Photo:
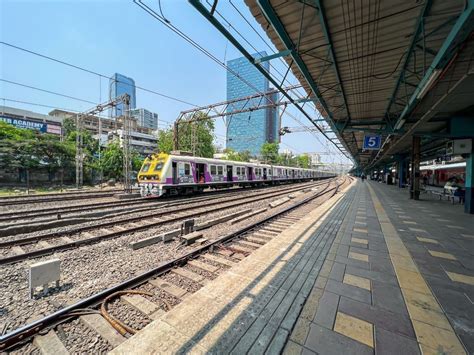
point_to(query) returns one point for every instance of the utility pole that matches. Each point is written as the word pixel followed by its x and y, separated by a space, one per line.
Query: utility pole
pixel 127 163
pixel 125 99
pixel 79 152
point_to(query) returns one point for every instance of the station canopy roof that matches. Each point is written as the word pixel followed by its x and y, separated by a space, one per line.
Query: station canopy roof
pixel 391 68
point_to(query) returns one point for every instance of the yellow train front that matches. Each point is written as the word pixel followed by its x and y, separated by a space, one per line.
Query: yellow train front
pixel 182 174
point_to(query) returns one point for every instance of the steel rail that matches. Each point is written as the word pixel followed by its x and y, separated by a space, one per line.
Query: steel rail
pixel 65 197
pixel 29 330
pixel 165 199
pixel 106 224
pixel 77 243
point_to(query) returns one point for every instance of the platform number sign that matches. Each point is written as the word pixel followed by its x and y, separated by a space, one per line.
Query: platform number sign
pixel 372 142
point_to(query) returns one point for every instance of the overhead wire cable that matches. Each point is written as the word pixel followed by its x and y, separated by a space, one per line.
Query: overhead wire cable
pixel 47 91
pixel 95 73
pixel 196 45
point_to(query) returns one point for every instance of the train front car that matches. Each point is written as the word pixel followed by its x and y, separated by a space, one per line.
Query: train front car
pixel 152 175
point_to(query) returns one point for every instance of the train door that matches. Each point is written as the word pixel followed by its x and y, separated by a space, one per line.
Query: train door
pixel 249 173
pixel 292 173
pixel 174 169
pixel 230 175
pixel 200 173
pixel 264 173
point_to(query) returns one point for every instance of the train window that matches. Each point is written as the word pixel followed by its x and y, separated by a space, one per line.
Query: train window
pixel 213 170
pixel 220 170
pixel 237 170
pixel 159 166
pixel 187 169
pixel 145 168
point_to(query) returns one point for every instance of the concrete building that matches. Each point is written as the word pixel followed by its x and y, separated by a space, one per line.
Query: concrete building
pixel 142 139
pixel 120 84
pixel 30 120
pixel 250 130
pixel 315 159
pixel 142 143
pixel 145 118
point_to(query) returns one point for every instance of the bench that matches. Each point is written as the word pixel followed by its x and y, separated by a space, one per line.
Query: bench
pixel 450 195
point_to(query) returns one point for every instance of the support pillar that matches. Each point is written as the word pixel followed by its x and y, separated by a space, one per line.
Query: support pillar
pixel 401 172
pixel 415 168
pixel 469 185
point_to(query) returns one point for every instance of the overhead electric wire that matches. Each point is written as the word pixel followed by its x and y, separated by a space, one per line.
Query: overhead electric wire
pixel 95 73
pixel 188 39
pixel 153 13
pixel 47 91
pixel 37 104
pixel 260 36
pixel 256 50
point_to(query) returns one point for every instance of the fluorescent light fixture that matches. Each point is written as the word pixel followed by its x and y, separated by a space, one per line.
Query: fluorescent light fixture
pixel 400 124
pixel 430 81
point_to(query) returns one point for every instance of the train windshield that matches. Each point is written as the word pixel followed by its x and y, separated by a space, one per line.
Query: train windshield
pixel 159 166
pixel 145 168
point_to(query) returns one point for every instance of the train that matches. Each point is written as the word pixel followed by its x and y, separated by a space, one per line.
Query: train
pixel 183 174
pixel 440 174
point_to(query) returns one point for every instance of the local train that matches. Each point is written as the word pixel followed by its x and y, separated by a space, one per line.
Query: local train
pixel 440 174
pixel 175 174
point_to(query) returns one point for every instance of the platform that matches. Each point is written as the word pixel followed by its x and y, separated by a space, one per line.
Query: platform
pixel 370 271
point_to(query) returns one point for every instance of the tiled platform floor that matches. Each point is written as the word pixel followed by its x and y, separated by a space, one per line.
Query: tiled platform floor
pixel 401 282
pixel 377 273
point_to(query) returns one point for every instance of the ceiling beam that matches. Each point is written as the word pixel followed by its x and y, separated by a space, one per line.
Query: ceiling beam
pixel 285 39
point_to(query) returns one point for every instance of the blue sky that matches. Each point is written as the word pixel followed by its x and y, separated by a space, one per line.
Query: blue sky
pixel 108 36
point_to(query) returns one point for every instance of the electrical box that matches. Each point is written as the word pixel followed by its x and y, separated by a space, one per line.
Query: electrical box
pixel 459 146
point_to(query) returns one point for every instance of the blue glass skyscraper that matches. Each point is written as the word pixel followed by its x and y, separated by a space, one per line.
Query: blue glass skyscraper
pixel 250 130
pixel 120 84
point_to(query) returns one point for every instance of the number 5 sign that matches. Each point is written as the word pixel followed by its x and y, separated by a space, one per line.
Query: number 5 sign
pixel 372 142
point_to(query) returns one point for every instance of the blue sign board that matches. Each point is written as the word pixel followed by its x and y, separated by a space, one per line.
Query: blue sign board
pixel 22 123
pixel 372 142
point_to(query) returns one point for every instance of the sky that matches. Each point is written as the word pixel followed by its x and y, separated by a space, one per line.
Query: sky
pixel 109 36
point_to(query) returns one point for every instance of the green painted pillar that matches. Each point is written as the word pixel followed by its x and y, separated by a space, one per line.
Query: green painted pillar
pixel 469 201
pixel 401 172
pixel 464 127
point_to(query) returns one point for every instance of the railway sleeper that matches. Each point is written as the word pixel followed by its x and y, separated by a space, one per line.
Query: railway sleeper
pixel 168 287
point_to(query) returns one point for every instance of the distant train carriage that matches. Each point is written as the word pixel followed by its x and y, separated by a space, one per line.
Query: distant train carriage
pixel 438 175
pixel 183 174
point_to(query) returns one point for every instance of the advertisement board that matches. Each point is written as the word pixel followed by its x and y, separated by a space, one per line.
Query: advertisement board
pixel 29 124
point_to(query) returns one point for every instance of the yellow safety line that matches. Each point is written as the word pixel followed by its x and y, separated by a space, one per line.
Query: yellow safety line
pixel 434 333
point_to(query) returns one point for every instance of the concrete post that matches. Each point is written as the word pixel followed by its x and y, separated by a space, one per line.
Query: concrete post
pixel 401 172
pixel 469 185
pixel 415 168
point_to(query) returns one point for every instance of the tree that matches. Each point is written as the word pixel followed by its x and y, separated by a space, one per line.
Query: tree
pixel 237 156
pixel 165 141
pixel 197 128
pixel 24 150
pixel 112 161
pixel 303 161
pixel 269 152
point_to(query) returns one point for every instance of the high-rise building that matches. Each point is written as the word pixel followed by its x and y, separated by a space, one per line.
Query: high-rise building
pixel 250 130
pixel 145 118
pixel 120 84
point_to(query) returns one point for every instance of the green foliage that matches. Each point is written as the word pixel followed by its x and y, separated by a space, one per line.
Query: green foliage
pixel 200 129
pixel 28 149
pixel 303 161
pixel 237 156
pixel 69 126
pixel 112 161
pixel 165 141
pixel 269 152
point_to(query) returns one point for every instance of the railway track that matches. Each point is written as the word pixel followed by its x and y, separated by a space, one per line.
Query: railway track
pixel 117 228
pixel 149 295
pixel 56 197
pixel 64 210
